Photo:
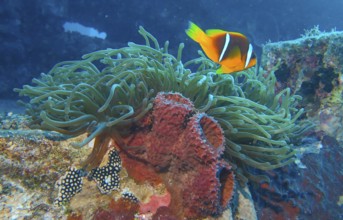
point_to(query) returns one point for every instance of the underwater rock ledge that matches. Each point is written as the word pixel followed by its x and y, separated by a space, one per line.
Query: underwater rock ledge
pixel 310 66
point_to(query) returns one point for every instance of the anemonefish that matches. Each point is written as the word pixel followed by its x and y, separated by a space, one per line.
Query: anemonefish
pixel 231 50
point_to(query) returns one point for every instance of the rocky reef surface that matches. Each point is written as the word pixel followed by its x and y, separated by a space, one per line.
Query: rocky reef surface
pixel 31 162
pixel 312 67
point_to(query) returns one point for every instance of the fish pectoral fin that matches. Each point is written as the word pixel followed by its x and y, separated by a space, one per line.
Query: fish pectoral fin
pixel 215 32
pixel 220 70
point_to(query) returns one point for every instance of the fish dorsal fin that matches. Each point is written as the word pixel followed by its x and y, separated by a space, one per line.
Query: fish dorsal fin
pixel 238 35
pixel 214 32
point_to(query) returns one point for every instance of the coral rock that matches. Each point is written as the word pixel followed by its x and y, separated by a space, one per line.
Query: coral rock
pixel 312 67
pixel 121 209
pixel 164 213
pixel 184 148
pixel 155 202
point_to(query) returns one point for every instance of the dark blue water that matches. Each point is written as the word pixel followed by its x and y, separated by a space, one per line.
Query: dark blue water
pixel 33 38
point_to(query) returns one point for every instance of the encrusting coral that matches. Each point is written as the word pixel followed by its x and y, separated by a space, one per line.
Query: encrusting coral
pixel 184 148
pixel 108 91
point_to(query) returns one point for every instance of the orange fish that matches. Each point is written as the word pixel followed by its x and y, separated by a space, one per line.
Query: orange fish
pixel 231 50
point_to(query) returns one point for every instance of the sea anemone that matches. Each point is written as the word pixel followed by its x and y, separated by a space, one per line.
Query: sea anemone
pixel 106 92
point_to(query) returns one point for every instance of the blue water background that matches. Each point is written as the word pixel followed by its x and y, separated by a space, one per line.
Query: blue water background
pixel 33 38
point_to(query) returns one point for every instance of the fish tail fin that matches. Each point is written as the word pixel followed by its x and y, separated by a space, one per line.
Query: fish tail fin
pixel 195 33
